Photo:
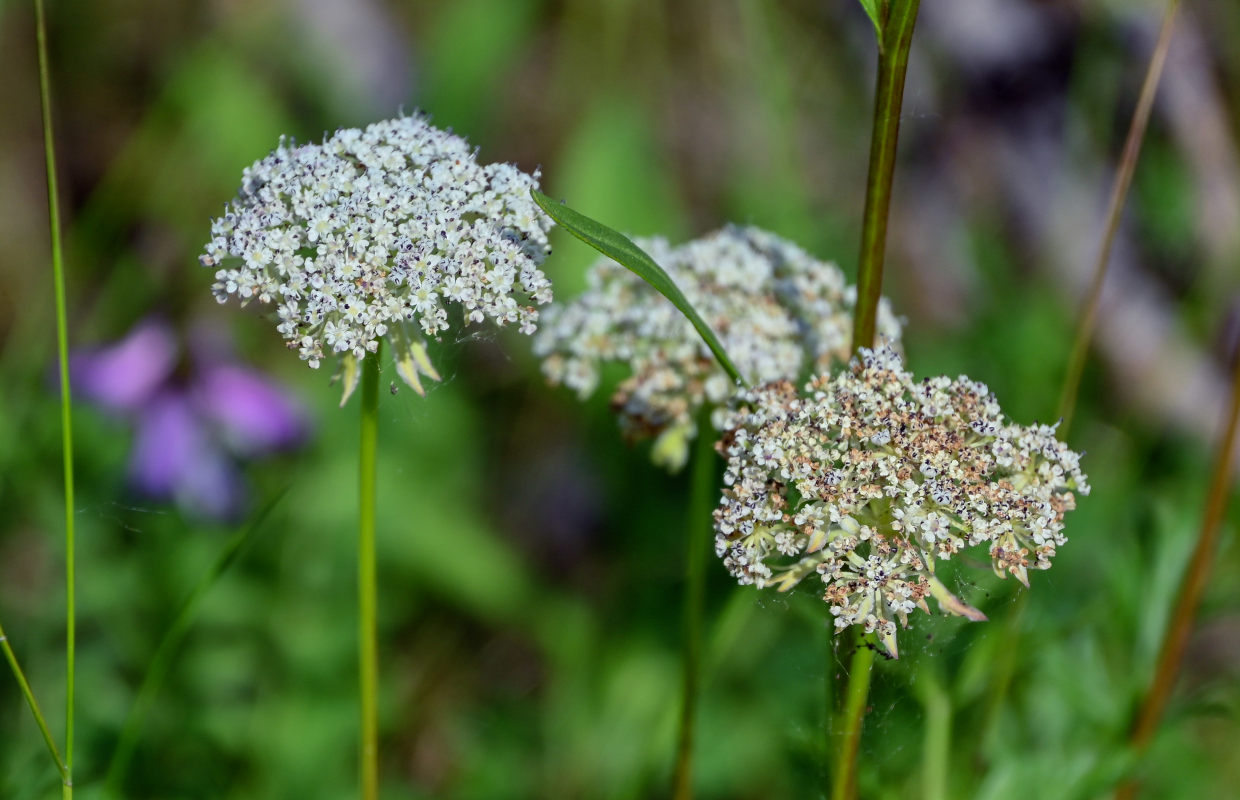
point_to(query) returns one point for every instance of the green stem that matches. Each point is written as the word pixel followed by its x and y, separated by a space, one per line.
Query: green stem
pixel 368 646
pixel 855 696
pixel 936 745
pixel 162 659
pixel 34 708
pixel 66 398
pixel 697 546
pixel 1119 193
pixel 830 707
pixel 896 21
pixel 897 18
pixel 1191 590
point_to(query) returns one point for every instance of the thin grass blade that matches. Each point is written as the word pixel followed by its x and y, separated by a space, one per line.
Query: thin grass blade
pixel 66 399
pixel 1192 589
pixel 1115 210
pixel 28 693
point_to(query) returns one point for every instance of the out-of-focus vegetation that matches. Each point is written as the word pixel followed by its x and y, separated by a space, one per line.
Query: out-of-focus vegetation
pixel 530 561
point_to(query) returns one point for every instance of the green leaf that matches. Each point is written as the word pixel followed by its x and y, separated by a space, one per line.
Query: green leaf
pixel 621 249
pixel 872 8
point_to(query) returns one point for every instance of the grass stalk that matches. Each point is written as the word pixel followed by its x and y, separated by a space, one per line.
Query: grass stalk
pixel 697 547
pixel 844 785
pixel 1115 210
pixel 1192 588
pixel 66 397
pixel 28 693
pixel 367 626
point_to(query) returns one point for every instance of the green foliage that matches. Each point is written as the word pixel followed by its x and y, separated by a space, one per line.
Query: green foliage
pixel 462 91
pixel 621 249
pixel 529 558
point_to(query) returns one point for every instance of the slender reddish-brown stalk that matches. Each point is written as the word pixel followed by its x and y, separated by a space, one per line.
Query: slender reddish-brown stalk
pixel 1191 590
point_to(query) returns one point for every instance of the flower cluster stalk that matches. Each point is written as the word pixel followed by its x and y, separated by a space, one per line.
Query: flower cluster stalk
pixel 1115 209
pixel 1191 590
pixel 368 643
pixel 937 735
pixel 895 30
pixel 66 413
pixel 844 787
pixel 697 547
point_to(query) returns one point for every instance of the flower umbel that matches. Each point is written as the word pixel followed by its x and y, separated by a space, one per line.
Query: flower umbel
pixel 869 478
pixel 372 234
pixel 779 312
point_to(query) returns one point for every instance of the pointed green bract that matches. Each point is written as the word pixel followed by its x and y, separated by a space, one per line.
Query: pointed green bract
pixel 408 372
pixel 620 248
pixel 953 604
pixel 412 360
pixel 423 362
pixel 350 376
pixel 872 9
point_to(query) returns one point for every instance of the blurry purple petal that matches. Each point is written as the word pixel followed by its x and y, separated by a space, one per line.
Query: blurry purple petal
pixel 170 440
pixel 213 488
pixel 124 376
pixel 255 416
pixel 174 458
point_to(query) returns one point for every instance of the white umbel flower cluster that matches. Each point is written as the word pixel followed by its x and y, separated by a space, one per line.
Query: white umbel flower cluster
pixel 869 478
pixel 779 313
pixel 373 233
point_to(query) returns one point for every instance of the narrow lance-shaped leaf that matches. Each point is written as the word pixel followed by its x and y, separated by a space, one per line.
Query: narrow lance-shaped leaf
pixel 872 9
pixel 620 248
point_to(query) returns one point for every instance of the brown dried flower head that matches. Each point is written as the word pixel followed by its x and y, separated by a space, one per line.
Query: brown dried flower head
pixel 868 479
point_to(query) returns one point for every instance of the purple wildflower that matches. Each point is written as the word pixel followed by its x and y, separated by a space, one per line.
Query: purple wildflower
pixel 194 417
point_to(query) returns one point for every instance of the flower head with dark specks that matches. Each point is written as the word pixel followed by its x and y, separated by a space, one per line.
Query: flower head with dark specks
pixel 868 479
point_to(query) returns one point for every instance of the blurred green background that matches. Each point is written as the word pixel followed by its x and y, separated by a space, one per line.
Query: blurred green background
pixel 530 560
